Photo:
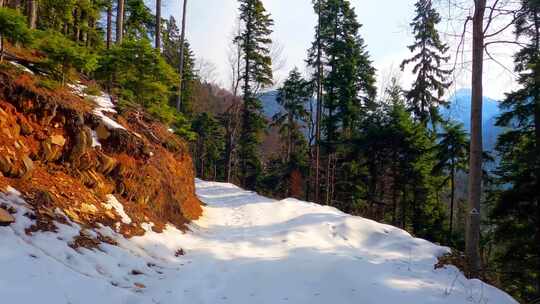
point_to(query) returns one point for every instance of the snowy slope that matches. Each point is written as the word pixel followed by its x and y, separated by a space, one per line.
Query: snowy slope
pixel 246 249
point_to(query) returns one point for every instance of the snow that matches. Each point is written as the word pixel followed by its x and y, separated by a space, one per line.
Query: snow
pixel 22 67
pixel 104 105
pixel 113 203
pixel 95 139
pixel 245 249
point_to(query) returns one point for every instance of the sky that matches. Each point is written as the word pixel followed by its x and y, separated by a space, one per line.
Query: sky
pixel 386 31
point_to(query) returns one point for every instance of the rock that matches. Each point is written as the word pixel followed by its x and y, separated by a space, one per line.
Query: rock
pixel 81 145
pixel 28 166
pixel 6 219
pixel 50 152
pixel 102 132
pixel 88 209
pixel 6 164
pixel 58 140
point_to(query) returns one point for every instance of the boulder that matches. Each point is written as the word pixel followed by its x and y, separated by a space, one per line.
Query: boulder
pixel 6 164
pixel 49 151
pixel 28 166
pixel 58 140
pixel 6 219
pixel 102 132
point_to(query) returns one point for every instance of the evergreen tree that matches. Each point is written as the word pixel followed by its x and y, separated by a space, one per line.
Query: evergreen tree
pixel 12 27
pixel 516 213
pixel 254 41
pixel 452 156
pixel 141 77
pixel 208 147
pixel 348 92
pixel 64 55
pixel 293 97
pixel 139 22
pixel 431 79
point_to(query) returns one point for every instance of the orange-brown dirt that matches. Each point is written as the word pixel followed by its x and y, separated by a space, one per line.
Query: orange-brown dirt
pixel 46 153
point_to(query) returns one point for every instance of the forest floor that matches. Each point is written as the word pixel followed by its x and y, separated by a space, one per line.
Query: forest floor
pixel 245 249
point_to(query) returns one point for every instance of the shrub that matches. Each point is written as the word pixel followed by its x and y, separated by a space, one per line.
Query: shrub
pixel 12 27
pixel 64 56
pixel 142 77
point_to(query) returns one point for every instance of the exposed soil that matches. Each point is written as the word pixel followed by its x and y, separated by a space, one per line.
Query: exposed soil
pixel 46 153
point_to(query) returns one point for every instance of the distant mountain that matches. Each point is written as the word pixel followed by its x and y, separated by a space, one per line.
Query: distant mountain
pixel 270 105
pixel 459 110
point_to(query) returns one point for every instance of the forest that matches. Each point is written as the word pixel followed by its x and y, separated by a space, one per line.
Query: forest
pixel 341 137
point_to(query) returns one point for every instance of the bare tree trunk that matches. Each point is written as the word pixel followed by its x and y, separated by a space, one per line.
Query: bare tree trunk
pixel 319 110
pixel 32 13
pixel 1 48
pixel 109 25
pixel 1 3
pixel 181 71
pixel 472 242
pixel 120 22
pixel 158 25
pixel 452 198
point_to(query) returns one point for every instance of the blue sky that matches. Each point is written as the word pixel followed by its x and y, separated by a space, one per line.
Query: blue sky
pixel 385 30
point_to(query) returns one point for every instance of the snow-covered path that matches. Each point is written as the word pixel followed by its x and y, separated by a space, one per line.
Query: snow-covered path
pixel 246 249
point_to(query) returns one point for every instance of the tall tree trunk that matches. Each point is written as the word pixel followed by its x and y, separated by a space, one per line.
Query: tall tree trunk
pixel 32 13
pixel 472 242
pixel 119 21
pixel 247 97
pixel 452 197
pixel 1 48
pixel 158 25
pixel 181 71
pixel 537 138
pixel 109 25
pixel 319 110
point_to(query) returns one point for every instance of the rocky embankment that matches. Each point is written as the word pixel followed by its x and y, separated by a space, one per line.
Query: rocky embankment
pixel 70 154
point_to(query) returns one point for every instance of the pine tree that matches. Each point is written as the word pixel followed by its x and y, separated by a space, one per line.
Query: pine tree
pixel 348 87
pixel 12 27
pixel 427 91
pixel 139 21
pixel 452 156
pixel 254 41
pixel 293 96
pixel 516 213
pixel 208 147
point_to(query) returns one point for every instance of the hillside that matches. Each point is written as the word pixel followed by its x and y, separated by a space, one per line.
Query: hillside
pixel 246 249
pixel 69 151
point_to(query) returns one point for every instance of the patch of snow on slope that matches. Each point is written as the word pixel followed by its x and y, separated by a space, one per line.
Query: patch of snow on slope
pixel 104 105
pixel 113 203
pixel 22 67
pixel 246 249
